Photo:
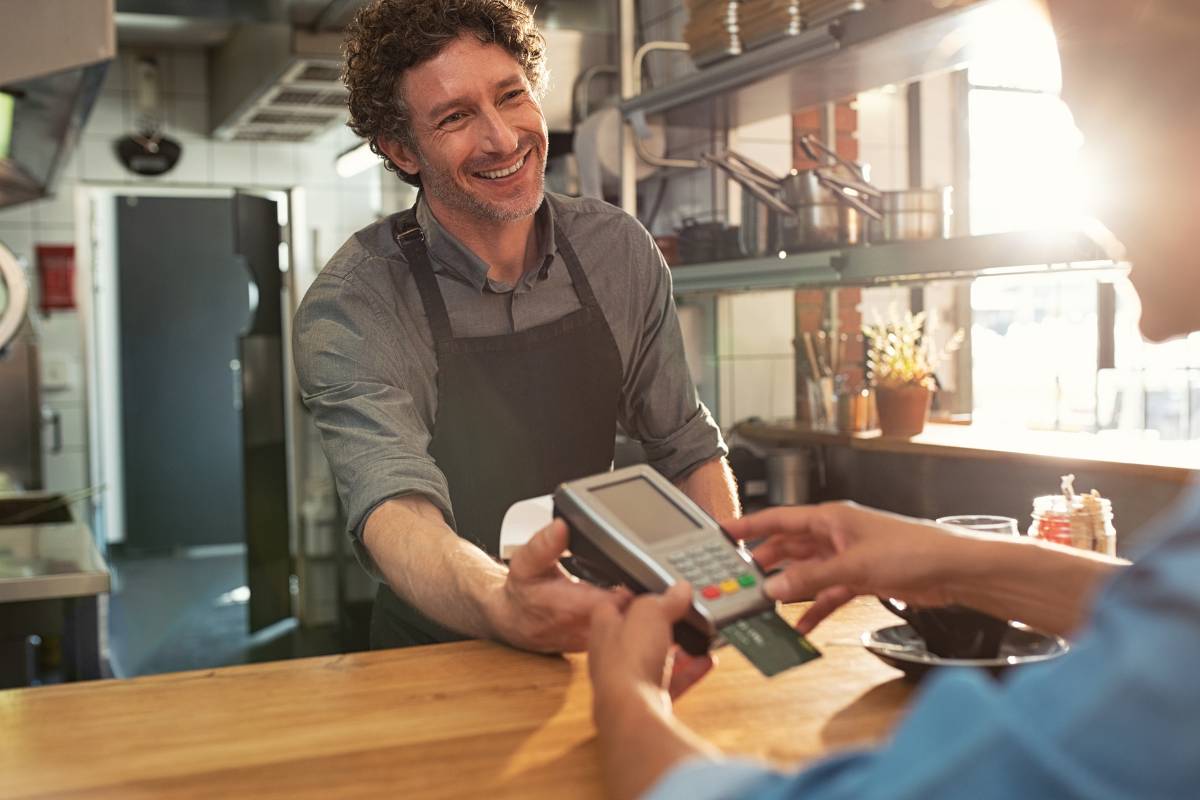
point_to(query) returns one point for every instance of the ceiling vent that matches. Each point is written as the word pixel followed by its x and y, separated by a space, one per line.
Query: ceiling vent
pixel 273 83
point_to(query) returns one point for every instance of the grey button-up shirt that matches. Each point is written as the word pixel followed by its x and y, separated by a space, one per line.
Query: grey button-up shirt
pixel 368 370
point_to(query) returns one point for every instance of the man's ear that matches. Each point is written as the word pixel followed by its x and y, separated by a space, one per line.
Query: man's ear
pixel 404 159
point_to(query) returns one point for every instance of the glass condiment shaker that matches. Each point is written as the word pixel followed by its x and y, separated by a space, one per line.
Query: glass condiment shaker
pixel 1084 521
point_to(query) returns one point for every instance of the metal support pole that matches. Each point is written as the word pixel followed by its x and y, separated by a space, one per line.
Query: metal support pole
pixel 829 125
pixel 961 226
pixel 626 34
pixel 638 120
pixel 916 139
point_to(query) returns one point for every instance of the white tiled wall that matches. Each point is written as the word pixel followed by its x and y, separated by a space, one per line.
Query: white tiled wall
pixel 756 355
pixel 338 207
pixel 883 136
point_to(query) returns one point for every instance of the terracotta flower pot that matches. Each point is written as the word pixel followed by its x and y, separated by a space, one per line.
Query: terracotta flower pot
pixel 902 409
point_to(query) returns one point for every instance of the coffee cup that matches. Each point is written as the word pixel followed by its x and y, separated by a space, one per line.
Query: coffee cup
pixel 953 631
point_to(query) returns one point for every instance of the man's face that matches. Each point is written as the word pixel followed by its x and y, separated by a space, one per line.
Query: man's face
pixel 479 133
pixel 1130 68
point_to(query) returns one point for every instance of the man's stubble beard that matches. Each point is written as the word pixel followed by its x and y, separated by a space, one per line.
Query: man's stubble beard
pixel 439 183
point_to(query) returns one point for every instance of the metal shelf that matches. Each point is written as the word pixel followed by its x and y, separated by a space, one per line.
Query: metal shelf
pixel 891 41
pixel 961 257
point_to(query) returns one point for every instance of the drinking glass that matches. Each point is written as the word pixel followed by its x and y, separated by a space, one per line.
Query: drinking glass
pixel 983 523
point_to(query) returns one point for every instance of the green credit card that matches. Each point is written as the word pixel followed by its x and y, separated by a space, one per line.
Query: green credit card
pixel 769 643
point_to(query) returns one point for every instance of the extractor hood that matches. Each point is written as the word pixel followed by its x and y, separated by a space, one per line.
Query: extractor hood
pixel 53 55
pixel 272 82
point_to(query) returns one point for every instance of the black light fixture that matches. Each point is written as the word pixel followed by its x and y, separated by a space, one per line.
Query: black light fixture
pixel 148 151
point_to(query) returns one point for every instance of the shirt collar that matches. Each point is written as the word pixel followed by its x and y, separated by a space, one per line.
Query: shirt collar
pixel 450 255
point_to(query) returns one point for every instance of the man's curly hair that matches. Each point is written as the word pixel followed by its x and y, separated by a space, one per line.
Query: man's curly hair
pixel 388 37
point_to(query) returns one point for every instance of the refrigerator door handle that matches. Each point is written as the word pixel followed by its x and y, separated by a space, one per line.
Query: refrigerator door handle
pixel 53 418
pixel 235 370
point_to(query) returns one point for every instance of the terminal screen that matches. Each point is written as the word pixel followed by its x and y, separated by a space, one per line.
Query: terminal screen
pixel 643 508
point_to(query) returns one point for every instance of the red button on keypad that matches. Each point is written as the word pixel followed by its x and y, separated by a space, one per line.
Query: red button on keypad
pixel 711 592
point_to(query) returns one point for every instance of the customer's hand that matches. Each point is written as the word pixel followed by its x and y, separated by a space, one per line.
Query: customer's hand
pixel 633 653
pixel 542 607
pixel 832 552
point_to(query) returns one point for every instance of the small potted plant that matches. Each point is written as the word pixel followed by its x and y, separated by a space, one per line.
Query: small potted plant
pixel 900 366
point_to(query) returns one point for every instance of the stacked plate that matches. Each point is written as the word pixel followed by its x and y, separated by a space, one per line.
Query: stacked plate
pixel 764 21
pixel 717 29
pixel 712 31
pixel 818 12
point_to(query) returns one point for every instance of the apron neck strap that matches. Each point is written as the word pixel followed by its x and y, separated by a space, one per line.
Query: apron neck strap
pixel 408 235
pixel 583 289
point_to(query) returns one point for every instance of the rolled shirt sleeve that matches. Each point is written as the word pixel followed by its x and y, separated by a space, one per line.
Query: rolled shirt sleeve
pixel 659 404
pixel 363 397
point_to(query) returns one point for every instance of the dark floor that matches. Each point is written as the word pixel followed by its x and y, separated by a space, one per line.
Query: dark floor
pixel 178 613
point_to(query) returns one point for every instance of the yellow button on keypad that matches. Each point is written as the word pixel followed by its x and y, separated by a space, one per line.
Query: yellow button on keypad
pixel 729 586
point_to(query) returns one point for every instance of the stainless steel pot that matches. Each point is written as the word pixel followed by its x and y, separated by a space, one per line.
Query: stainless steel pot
pixel 838 186
pixel 788 477
pixel 759 232
pixel 913 214
pixel 813 209
pixel 828 210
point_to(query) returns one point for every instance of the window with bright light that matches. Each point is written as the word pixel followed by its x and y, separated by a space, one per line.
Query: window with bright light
pixel 1035 338
pixel 1026 171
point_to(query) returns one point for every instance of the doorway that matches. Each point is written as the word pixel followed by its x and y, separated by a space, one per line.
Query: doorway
pixel 182 301
pixel 184 376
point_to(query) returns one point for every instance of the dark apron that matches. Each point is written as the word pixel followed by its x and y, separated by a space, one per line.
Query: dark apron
pixel 517 414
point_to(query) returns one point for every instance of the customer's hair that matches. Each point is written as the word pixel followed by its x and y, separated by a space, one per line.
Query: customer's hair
pixel 388 37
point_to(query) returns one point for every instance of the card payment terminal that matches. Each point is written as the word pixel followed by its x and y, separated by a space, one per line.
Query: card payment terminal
pixel 634 527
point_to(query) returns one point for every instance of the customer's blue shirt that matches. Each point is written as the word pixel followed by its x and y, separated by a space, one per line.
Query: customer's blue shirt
pixel 1117 717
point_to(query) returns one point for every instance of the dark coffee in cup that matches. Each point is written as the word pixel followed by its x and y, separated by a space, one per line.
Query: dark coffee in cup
pixel 953 631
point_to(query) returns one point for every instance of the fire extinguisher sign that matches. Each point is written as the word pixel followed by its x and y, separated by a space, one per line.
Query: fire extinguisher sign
pixel 56 276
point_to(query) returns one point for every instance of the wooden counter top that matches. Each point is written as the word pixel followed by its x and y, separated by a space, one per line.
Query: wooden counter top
pixel 1173 461
pixel 457 720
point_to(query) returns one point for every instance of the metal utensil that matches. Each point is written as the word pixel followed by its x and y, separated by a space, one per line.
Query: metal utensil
pixel 847 193
pixel 824 359
pixel 754 167
pixel 749 182
pixel 816 210
pixel 814 366
pixel 811 145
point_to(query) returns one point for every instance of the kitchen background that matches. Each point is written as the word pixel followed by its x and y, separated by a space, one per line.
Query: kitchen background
pixel 1046 349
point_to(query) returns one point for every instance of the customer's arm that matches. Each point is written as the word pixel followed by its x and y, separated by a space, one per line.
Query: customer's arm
pixel 712 487
pixel 533 604
pixel 836 551
pixel 634 676
pixel 1111 718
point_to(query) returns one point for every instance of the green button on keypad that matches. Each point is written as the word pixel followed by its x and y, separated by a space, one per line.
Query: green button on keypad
pixel 746 580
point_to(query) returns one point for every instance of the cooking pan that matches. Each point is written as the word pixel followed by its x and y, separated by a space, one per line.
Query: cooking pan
pixel 913 214
pixel 814 208
pixel 904 215
pixel 820 197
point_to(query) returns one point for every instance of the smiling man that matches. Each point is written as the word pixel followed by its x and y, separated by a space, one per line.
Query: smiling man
pixel 485 345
